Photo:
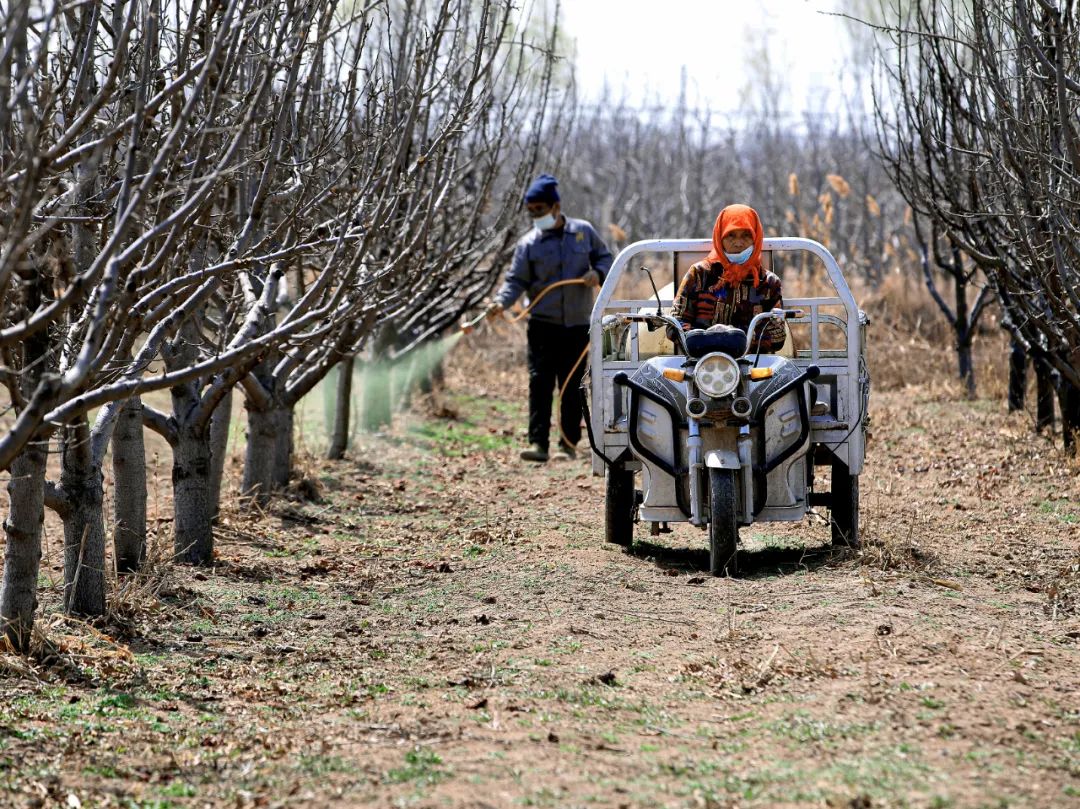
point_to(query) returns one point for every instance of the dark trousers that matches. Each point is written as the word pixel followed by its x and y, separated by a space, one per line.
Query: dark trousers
pixel 553 350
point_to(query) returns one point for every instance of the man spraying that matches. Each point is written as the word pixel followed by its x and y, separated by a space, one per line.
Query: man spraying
pixel 558 248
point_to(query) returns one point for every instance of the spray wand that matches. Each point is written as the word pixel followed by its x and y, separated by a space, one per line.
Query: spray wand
pixel 470 325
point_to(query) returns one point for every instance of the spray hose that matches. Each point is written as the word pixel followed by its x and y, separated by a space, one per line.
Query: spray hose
pixel 472 324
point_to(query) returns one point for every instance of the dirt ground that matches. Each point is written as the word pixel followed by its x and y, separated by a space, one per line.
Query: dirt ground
pixel 432 623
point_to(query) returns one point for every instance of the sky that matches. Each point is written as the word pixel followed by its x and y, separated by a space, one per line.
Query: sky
pixel 643 48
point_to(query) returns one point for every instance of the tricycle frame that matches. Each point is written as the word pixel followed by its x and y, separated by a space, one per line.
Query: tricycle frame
pixel 838 435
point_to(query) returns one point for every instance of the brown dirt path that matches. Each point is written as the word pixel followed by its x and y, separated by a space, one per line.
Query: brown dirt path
pixel 447 628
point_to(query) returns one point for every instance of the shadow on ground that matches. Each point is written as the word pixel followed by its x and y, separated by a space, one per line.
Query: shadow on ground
pixel 751 564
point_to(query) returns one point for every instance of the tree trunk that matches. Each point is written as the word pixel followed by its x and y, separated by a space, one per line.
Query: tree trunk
pixel 22 555
pixel 1017 375
pixel 339 440
pixel 967 366
pixel 283 449
pixel 219 447
pixel 269 451
pixel 84 523
pixel 129 488
pixel 26 486
pixel 1070 417
pixel 193 509
pixel 962 325
pixel 1044 395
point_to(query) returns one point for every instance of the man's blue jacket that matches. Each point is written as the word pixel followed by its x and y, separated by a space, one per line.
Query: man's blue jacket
pixel 543 257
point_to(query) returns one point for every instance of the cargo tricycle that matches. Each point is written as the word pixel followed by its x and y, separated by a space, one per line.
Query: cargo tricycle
pixel 713 432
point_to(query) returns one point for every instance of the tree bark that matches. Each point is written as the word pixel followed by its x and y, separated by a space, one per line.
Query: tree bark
pixel 193 512
pixel 193 509
pixel 219 446
pixel 1017 375
pixel 84 523
pixel 26 487
pixel 962 325
pixel 129 488
pixel 1070 417
pixel 268 460
pixel 22 555
pixel 1044 395
pixel 966 366
pixel 339 440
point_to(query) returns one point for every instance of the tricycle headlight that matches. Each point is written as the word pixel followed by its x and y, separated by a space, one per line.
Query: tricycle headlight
pixel 717 375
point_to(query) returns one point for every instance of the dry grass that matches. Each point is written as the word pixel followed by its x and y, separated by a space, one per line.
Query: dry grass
pixel 134 599
pixel 1063 591
pixel 887 543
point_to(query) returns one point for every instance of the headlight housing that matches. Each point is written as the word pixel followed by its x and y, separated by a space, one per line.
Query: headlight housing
pixel 717 375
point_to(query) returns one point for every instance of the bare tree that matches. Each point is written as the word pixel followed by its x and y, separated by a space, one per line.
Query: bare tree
pixel 937 253
pixel 985 145
pixel 152 214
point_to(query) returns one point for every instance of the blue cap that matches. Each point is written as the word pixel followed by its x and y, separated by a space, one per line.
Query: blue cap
pixel 544 188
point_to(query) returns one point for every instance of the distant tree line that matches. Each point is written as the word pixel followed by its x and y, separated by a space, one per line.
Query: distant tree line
pixel 666 170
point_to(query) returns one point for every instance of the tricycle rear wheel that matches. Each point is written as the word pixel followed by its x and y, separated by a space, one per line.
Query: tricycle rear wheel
pixel 619 506
pixel 723 525
pixel 844 506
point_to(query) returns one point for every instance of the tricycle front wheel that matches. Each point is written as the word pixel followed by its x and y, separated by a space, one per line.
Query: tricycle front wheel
pixel 619 506
pixel 723 525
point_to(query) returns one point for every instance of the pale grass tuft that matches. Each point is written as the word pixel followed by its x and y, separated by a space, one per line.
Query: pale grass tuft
pixel 838 184
pixel 887 544
pixel 827 208
pixel 134 598
pixel 304 483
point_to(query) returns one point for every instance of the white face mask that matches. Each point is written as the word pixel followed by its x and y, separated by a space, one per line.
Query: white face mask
pixel 741 257
pixel 545 222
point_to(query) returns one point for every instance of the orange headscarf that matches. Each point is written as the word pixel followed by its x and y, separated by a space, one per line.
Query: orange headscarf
pixel 737 217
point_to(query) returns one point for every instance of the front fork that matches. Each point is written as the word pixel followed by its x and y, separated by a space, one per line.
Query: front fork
pixel 746 466
pixel 696 466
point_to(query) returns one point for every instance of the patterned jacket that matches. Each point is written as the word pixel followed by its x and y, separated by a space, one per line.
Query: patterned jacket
pixel 704 300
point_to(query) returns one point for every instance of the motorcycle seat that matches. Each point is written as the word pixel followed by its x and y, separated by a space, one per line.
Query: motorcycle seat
pixel 719 338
